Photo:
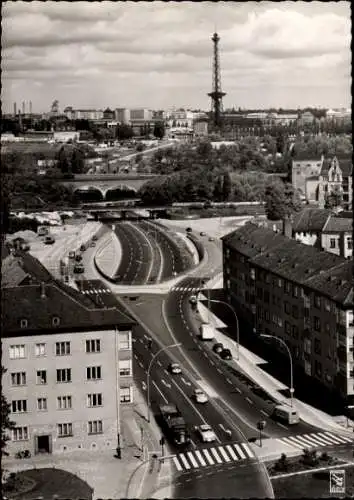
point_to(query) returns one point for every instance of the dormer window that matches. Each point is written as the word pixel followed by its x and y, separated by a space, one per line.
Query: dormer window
pixel 24 323
pixel 55 321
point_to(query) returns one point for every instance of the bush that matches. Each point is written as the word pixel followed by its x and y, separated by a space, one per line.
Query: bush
pixel 310 457
pixel 282 464
pixel 325 457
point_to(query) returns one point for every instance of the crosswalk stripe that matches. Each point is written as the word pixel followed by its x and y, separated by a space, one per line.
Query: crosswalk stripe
pixel 329 439
pixel 224 454
pixel 316 439
pixel 323 439
pixel 300 440
pixel 208 457
pixel 184 461
pixel 347 439
pixel 337 439
pixel 291 443
pixel 177 464
pixel 200 458
pixel 247 450
pixel 232 453
pixel 312 441
pixel 239 451
pixel 192 459
pixel 215 453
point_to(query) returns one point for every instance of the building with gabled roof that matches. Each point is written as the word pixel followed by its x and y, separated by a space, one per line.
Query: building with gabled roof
pixel 298 293
pixel 69 364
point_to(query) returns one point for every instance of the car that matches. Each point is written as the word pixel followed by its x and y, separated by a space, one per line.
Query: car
pixel 79 268
pixel 188 230
pixel 82 248
pixel 193 300
pixel 71 254
pixel 78 257
pixel 174 368
pixel 94 237
pixel 226 354
pixel 92 244
pixel 218 347
pixel 206 433
pixel 200 396
pixel 202 233
pixel 49 240
pixel 211 238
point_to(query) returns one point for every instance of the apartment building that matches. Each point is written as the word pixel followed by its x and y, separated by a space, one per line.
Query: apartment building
pixel 83 114
pixel 69 367
pixel 298 293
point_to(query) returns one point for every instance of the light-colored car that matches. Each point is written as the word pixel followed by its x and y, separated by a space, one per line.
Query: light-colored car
pixel 174 368
pixel 200 396
pixel 206 433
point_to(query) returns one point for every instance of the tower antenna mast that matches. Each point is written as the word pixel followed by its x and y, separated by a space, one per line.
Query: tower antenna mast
pixel 216 94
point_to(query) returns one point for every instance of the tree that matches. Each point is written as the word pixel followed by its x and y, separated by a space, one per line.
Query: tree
pixel 124 131
pixel 275 202
pixel 6 423
pixel 334 198
pixel 226 186
pixel 218 189
pixel 159 130
pixel 63 162
pixel 77 161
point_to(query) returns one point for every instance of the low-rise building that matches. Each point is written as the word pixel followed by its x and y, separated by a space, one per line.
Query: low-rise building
pixel 337 236
pixel 68 364
pixel 298 293
pixel 303 167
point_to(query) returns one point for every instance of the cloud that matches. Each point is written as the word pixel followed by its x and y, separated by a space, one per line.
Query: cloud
pixel 131 53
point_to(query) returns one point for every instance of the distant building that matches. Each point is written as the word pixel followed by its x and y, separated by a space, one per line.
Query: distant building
pixel 140 114
pixel 200 127
pixel 83 114
pixel 307 118
pixel 304 167
pixel 122 115
pixel 337 236
pixel 65 136
pixel 336 175
pixel 108 114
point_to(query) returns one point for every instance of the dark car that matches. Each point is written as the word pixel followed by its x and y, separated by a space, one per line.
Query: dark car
pixel 92 244
pixel 188 230
pixel 82 248
pixel 49 240
pixel 94 238
pixel 79 268
pixel 218 347
pixel 226 354
pixel 202 233
pixel 78 257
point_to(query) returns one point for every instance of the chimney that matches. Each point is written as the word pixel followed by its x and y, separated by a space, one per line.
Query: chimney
pixel 23 107
pixel 30 107
pixel 287 227
pixel 342 244
pixel 43 295
pixel 15 109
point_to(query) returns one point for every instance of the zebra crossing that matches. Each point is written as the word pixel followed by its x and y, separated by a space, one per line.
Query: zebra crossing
pixel 96 291
pixel 212 456
pixel 186 289
pixel 315 440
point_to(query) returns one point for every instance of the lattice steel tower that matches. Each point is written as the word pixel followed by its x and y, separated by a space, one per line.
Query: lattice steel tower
pixel 216 94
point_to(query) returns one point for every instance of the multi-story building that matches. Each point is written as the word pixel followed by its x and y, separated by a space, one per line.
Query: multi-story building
pixel 83 114
pixel 336 175
pixel 122 115
pixel 305 167
pixel 69 366
pixel 200 127
pixel 140 114
pixel 298 293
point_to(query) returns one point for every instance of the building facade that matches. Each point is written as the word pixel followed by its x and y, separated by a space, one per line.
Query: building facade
pixel 297 293
pixel 68 362
pixel 304 167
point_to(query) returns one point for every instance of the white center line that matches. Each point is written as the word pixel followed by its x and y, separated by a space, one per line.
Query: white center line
pixel 249 400
pixel 265 413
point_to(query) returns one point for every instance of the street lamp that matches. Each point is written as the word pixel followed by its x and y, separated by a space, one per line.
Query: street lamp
pixel 291 363
pixel 236 321
pixel 148 373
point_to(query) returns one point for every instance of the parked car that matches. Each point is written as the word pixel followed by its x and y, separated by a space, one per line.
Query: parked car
pixel 211 238
pixel 79 268
pixel 78 257
pixel 202 233
pixel 206 433
pixel 226 354
pixel 71 254
pixel 49 240
pixel 82 248
pixel 200 396
pixel 174 368
pixel 92 244
pixel 94 238
pixel 218 347
pixel 188 230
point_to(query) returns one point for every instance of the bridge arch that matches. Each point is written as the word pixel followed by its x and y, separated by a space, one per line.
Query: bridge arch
pixel 89 193
pixel 103 193
pixel 120 192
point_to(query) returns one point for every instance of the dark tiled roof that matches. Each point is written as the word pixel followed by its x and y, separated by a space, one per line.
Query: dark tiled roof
pixel 310 220
pixel 70 306
pixel 338 225
pixel 303 156
pixel 345 164
pixel 12 274
pixel 290 259
pixel 337 283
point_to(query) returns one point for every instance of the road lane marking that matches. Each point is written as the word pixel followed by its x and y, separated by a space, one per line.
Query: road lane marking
pixel 166 401
pixel 249 400
pixel 218 370
pixel 212 362
pixel 239 451
pixel 185 381
pixel 224 454
pixel 159 363
pixel 192 459
pixel 165 383
pixel 208 457
pixel 215 453
pixel 315 437
pixel 177 464
pixel 200 457
pixel 232 453
pixel 166 371
pixel 281 425
pixel 135 356
pixel 184 461
pixel 140 364
pixel 247 450
pixel 143 386
pixel 229 381
pixel 205 354
pixel 265 413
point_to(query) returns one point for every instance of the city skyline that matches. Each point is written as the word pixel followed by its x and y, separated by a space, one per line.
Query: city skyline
pixel 289 55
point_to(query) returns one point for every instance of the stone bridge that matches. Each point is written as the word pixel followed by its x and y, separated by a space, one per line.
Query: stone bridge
pixel 104 183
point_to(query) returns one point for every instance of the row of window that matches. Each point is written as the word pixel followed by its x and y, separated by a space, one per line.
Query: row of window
pixel 65 402
pixel 64 348
pixel 63 430
pixel 63 375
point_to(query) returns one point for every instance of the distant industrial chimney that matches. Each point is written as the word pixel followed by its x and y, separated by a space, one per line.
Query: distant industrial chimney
pixel 43 295
pixel 23 107
pixel 15 109
pixel 30 107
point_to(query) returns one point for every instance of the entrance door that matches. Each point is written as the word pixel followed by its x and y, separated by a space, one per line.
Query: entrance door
pixel 44 444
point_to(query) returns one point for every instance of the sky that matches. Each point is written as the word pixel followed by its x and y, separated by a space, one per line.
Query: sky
pixel 159 55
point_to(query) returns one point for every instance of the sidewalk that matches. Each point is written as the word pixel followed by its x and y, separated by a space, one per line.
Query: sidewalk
pixel 249 362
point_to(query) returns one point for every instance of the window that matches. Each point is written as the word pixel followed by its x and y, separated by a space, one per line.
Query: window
pixel 327 305
pixel 20 434
pixel 318 368
pixel 252 274
pixel 267 316
pixel 295 332
pixel 295 291
pixel 259 293
pixel 17 351
pixel 64 402
pixel 317 301
pixel 39 350
pixel 274 299
pixel 41 377
pixel 287 327
pixel 280 282
pixel 23 323
pixel 287 287
pixel 125 395
pixel 307 346
pixel 125 367
pixel 18 378
pixel 42 404
pixel 317 346
pixel 62 348
pixel 64 375
pixel 316 324
pixel 266 296
pixel 93 345
pixel 124 340
pixel 95 427
pixel 267 278
pixel 307 367
pixel 93 373
pixel 19 406
pixel 94 400
pixel 295 312
pixel 332 243
pixel 65 430
pixel 287 307
pixel 274 319
pixel 55 321
pixel 280 321
pixel 349 243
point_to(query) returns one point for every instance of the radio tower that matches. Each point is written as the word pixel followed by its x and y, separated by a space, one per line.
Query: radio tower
pixel 216 94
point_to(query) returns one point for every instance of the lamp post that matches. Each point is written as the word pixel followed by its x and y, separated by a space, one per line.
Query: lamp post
pixel 291 362
pixel 236 321
pixel 149 369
